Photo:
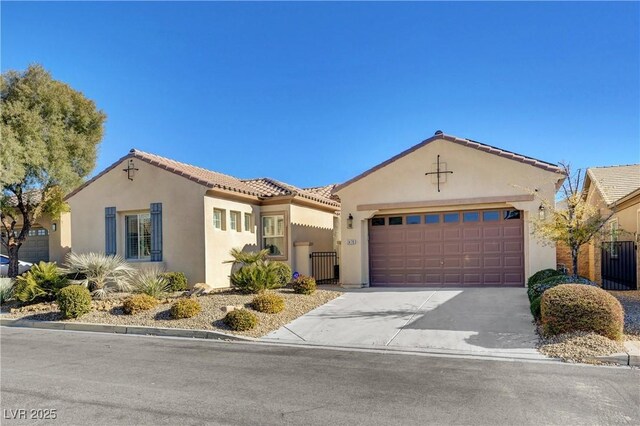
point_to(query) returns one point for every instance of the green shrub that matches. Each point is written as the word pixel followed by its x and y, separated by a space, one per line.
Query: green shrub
pixel 241 320
pixel 542 275
pixel 138 303
pixel 304 284
pixel 42 282
pixel 269 303
pixel 570 307
pixel 283 273
pixel 150 282
pixel 74 301
pixel 6 289
pixel 256 277
pixel 185 308
pixel 177 281
pixel 535 307
pixel 536 290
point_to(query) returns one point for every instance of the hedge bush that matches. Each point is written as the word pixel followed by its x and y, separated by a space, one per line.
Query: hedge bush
pixel 185 308
pixel 269 303
pixel 304 284
pixel 537 289
pixel 138 303
pixel 283 273
pixel 570 307
pixel 74 301
pixel 241 320
pixel 535 307
pixel 542 275
pixel 177 281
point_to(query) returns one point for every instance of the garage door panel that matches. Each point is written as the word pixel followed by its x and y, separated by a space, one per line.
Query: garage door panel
pixel 452 248
pixel 452 233
pixel 472 248
pixel 433 234
pixel 472 233
pixel 449 254
pixel 492 262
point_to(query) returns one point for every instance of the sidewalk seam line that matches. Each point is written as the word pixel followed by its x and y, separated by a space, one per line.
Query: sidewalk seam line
pixel 411 317
pixel 294 333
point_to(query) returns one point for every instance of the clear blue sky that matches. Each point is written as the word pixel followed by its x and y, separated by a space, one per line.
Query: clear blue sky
pixel 316 93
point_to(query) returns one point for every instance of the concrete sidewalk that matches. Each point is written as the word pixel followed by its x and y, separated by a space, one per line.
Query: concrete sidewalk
pixel 483 321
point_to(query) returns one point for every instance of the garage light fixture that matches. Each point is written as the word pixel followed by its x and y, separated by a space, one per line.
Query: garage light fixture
pixel 350 221
pixel 542 212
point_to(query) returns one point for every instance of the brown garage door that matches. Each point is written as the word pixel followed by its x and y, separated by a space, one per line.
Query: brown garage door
pixel 460 248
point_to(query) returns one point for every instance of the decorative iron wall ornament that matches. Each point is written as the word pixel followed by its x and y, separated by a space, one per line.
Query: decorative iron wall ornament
pixel 130 169
pixel 438 172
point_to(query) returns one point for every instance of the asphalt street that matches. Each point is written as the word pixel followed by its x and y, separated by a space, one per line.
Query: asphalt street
pixel 92 378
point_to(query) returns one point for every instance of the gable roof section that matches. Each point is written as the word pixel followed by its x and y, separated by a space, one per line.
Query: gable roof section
pixel 614 182
pixel 260 188
pixel 464 142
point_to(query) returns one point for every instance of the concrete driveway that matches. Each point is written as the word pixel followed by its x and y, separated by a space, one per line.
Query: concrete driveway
pixel 483 321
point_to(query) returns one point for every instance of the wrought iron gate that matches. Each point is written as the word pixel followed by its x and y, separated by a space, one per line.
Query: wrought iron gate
pixel 619 265
pixel 324 267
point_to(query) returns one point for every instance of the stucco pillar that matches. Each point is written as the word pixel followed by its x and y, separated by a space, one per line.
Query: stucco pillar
pixel 302 263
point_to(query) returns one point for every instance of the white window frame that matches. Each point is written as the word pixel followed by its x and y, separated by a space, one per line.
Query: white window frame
pixel 221 224
pixel 263 236
pixel 145 214
pixel 248 222
pixel 234 221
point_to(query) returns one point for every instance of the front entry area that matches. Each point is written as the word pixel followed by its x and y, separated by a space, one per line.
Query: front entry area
pixel 447 249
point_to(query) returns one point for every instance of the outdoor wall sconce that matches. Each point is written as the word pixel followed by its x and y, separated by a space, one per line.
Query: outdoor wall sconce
pixel 350 221
pixel 130 169
pixel 542 212
pixel 54 227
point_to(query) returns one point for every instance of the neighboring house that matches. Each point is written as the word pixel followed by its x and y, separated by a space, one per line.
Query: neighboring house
pixel 49 240
pixel 157 211
pixel 612 189
pixel 446 212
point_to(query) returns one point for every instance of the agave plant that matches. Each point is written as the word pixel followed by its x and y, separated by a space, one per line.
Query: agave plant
pixel 6 289
pixel 100 273
pixel 151 282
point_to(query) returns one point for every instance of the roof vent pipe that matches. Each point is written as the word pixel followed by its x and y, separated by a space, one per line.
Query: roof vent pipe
pixel 438 132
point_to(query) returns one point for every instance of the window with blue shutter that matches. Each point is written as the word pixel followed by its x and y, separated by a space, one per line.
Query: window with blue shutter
pixel 156 232
pixel 110 231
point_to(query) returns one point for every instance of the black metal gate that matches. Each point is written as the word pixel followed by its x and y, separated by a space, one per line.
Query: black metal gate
pixel 324 267
pixel 619 265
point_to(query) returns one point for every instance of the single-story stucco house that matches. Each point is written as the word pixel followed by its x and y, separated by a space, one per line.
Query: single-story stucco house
pixel 156 211
pixel 446 212
pixel 615 191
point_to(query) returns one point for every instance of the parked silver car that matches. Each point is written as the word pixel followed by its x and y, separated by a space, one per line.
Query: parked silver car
pixel 4 266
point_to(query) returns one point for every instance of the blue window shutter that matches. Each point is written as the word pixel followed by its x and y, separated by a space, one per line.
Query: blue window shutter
pixel 110 231
pixel 156 232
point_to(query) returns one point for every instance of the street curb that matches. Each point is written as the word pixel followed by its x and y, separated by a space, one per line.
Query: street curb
pixel 123 329
pixel 621 358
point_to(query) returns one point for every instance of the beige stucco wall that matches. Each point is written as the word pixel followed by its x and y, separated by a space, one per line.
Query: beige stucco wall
pixel 60 239
pixel 475 174
pixel 219 242
pixel 313 226
pixel 182 215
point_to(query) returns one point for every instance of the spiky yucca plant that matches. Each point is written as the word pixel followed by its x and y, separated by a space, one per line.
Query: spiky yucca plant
pixel 100 273
pixel 6 289
pixel 151 282
pixel 247 257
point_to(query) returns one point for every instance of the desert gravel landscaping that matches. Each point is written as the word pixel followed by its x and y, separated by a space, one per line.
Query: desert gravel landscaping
pixel 110 311
pixel 579 347
pixel 630 301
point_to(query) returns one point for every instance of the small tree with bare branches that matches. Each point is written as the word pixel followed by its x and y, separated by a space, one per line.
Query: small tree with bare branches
pixel 574 224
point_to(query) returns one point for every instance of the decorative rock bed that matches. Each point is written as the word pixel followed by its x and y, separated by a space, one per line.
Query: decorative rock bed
pixel 110 311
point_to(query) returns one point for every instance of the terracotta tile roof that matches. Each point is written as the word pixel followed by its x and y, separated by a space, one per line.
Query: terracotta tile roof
pixel 268 187
pixel 260 188
pixel 615 182
pixel 464 142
